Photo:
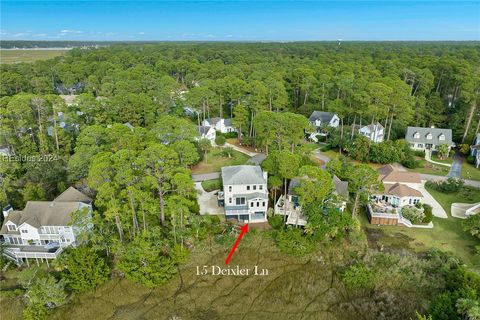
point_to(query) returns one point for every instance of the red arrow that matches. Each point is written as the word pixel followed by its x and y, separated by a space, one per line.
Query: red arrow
pixel 243 230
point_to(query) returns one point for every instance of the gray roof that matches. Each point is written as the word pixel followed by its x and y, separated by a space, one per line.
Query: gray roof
pixel 228 122
pixel 423 132
pixel 48 213
pixel 257 159
pixel 243 174
pixel 341 187
pixel 323 116
pixel 213 121
pixel 295 182
pixel 203 129
pixel 73 195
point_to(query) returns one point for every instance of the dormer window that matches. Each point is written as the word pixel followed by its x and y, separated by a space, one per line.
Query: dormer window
pixel 429 136
pixel 441 137
pixel 416 135
pixel 11 227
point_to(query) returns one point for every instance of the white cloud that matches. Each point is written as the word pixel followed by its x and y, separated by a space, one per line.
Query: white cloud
pixel 141 33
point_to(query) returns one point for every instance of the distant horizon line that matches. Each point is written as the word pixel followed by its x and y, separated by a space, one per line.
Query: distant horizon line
pixel 233 41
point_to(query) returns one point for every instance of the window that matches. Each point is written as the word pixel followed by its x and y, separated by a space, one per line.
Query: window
pixel 248 188
pixel 260 187
pixel 254 187
pixel 258 204
pixel 263 204
pixel 229 188
pixel 441 137
pixel 429 136
pixel 420 145
pixel 229 200
pixel 24 231
pixel 240 201
pixel 416 135
pixel 251 204
pixel 11 227
pixel 415 201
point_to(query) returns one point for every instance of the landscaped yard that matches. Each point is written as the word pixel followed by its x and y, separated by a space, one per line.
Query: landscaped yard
pixel 447 234
pixel 430 168
pixel 469 171
pixel 448 160
pixel 216 160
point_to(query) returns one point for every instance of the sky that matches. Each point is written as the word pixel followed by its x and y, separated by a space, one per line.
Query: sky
pixel 239 20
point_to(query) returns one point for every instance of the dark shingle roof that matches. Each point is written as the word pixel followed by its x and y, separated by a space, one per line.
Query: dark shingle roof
pixel 323 116
pixel 435 132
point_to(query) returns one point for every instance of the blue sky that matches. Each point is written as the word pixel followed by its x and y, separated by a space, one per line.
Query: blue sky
pixel 240 20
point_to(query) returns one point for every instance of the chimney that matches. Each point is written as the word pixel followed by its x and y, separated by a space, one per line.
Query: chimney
pixel 7 210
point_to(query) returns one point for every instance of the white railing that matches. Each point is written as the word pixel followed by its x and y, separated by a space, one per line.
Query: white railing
pixel 18 254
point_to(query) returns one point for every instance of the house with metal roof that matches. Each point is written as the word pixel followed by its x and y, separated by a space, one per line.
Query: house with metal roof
pixel 421 138
pixel 245 193
pixel 43 229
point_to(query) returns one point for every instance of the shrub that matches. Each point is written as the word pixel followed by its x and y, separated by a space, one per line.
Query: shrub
pixel 220 140
pixel 410 163
pixel 210 185
pixel 413 214
pixel 471 159
pixel 276 222
pixel 427 211
pixel 230 135
pixel 450 185
pixel 464 149
pixel 419 153
pixel 326 148
pixel 294 241
pixel 82 268
pixel 358 277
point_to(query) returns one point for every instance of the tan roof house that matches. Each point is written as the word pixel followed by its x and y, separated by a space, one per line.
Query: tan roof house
pixel 43 228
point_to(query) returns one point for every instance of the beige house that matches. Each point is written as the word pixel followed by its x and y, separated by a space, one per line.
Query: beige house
pixel 43 228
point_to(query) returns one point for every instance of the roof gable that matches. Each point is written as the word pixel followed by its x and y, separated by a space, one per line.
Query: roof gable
pixel 429 135
pixel 323 116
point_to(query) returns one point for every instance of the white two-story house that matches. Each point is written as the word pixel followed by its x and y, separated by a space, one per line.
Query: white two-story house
pixel 374 132
pixel 207 132
pixel 322 119
pixel 220 124
pixel 245 193
pixel 43 228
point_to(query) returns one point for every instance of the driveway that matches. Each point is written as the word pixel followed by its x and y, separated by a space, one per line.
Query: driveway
pixel 456 167
pixel 207 201
pixel 322 157
pixel 437 209
pixel 242 150
pixel 205 176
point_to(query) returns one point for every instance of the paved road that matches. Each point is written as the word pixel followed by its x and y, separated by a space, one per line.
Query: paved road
pixel 456 167
pixel 205 176
pixel 431 177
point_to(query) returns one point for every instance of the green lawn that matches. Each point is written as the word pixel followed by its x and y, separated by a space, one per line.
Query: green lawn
pixel 17 56
pixel 469 171
pixel 430 168
pixel 215 161
pixel 447 234
pixel 210 185
pixel 448 160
